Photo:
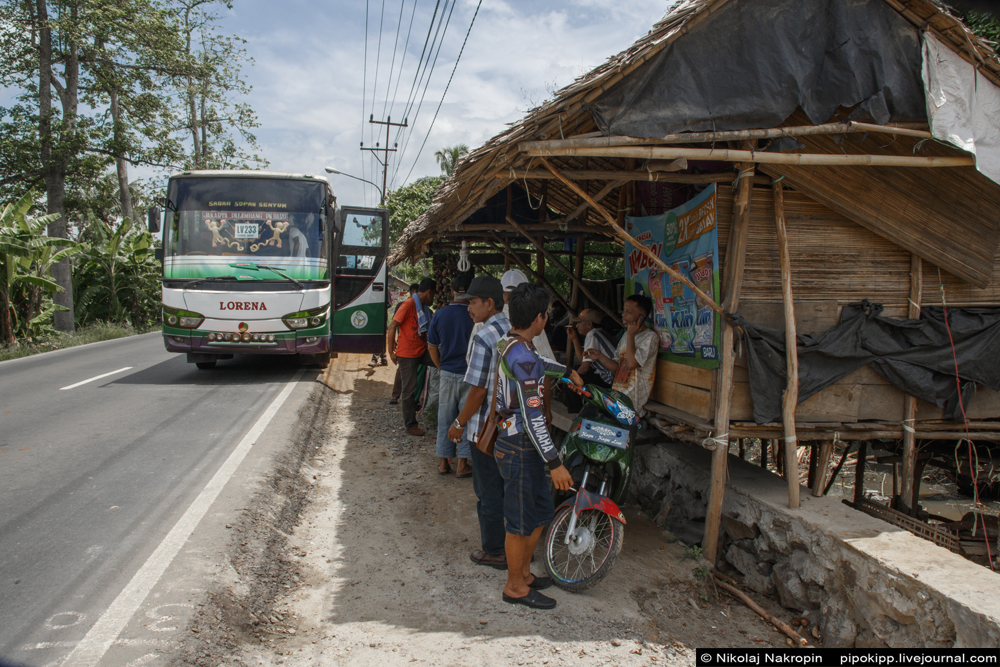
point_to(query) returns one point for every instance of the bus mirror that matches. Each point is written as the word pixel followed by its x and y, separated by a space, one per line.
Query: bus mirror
pixel 153 221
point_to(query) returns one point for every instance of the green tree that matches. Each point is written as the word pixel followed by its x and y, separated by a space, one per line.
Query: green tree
pixel 985 25
pixel 408 203
pixel 26 257
pixel 448 157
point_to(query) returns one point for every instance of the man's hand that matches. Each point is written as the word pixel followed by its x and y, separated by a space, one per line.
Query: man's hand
pixel 561 479
pixel 455 433
pixel 571 333
pixel 575 377
pixel 635 327
pixel 392 355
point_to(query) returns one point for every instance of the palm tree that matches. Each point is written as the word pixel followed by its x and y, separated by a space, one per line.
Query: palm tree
pixel 449 156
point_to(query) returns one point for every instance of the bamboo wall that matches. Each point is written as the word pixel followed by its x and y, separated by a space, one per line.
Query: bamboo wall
pixel 834 262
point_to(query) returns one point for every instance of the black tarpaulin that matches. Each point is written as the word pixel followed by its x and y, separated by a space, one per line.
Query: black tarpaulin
pixel 914 355
pixel 755 62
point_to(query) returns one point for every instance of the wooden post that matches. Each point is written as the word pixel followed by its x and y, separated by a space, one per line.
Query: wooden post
pixel 578 270
pixel 859 472
pixel 791 396
pixel 764 446
pixel 908 500
pixel 733 281
pixel 822 466
pixel 545 253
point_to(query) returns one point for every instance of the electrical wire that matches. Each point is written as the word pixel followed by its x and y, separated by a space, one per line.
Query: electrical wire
pixel 423 94
pixel 402 61
pixel 447 85
pixel 364 89
pixel 392 64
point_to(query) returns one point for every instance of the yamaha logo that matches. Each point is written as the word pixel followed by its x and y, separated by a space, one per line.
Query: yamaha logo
pixel 359 319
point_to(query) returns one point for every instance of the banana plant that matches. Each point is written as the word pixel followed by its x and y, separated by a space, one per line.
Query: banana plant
pixel 26 255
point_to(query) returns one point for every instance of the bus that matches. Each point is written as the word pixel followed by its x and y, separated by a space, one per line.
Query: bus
pixel 258 262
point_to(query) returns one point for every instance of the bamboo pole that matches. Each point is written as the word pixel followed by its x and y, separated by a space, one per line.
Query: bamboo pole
pixel 728 155
pixel 781 625
pixel 728 135
pixel 578 270
pixel 790 398
pixel 507 252
pixel 908 494
pixel 735 257
pixel 822 466
pixel 573 279
pixel 627 238
pixel 602 175
pixel 859 472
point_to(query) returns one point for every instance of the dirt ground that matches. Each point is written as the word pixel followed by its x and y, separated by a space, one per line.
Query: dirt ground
pixel 357 553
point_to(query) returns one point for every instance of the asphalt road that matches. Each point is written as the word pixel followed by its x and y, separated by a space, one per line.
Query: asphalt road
pixel 93 476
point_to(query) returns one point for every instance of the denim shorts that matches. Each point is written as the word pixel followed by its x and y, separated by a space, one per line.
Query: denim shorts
pixel 527 501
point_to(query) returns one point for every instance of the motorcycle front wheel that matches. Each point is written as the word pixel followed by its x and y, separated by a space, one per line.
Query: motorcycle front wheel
pixel 588 558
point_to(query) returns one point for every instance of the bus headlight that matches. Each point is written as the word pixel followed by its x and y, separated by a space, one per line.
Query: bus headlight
pixel 184 319
pixel 306 318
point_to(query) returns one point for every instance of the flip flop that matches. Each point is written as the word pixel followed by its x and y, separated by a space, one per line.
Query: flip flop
pixel 540 583
pixel 533 599
pixel 444 472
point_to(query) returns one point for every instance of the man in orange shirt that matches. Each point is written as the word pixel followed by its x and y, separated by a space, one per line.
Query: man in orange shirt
pixel 409 349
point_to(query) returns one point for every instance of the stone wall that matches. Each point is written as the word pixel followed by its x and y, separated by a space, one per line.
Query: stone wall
pixel 866 582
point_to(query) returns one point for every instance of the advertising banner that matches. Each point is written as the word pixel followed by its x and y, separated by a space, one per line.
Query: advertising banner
pixel 686 238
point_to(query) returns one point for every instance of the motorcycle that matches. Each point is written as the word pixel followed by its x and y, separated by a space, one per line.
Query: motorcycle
pixel 586 534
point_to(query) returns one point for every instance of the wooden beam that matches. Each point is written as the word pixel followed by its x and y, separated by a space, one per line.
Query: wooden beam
pixel 621 176
pixel 627 238
pixel 728 155
pixel 908 500
pixel 822 467
pixel 790 399
pixel 573 279
pixel 729 135
pixel 578 270
pixel 510 254
pixel 724 387
pixel 859 472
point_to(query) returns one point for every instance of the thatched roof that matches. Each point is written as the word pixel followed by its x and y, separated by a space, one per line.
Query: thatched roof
pixel 499 163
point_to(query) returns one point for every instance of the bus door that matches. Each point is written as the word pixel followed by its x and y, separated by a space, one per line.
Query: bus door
pixel 360 291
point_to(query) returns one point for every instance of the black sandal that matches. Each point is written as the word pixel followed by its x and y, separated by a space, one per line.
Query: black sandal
pixel 533 599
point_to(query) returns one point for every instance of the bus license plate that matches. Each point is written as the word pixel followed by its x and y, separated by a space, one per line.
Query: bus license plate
pixel 247 230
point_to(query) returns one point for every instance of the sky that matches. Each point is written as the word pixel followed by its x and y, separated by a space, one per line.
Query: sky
pixel 314 83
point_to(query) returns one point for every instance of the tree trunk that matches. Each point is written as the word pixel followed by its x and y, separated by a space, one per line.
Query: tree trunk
pixel 6 327
pixel 122 166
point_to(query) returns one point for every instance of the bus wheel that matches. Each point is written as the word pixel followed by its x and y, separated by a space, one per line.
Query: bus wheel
pixel 205 365
pixel 322 360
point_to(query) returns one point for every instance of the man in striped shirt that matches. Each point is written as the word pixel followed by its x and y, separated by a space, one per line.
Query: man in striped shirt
pixel 485 305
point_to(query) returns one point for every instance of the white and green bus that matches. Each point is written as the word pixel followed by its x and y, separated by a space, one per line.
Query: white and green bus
pixel 258 262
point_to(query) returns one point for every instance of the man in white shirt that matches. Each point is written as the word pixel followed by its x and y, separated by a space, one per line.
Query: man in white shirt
pixel 588 325
pixel 634 364
pixel 510 280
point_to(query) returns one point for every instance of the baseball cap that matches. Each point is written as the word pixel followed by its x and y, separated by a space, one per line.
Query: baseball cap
pixel 588 314
pixel 461 284
pixel 486 287
pixel 512 279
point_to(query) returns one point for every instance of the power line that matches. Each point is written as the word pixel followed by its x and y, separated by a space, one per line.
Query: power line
pixel 426 84
pixel 402 61
pixel 378 59
pixel 392 64
pixel 364 88
pixel 420 65
pixel 448 85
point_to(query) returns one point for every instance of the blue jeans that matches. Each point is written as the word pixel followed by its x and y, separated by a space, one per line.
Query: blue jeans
pixel 488 485
pixel 527 501
pixel 452 391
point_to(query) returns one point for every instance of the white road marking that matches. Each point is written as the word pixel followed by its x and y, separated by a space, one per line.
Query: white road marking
pixel 96 643
pixel 73 386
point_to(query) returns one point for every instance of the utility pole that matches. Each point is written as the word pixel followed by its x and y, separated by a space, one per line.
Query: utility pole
pixel 384 159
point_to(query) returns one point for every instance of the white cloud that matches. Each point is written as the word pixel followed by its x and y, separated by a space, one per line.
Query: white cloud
pixel 309 83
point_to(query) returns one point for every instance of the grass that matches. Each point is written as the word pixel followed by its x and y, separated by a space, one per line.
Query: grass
pixel 92 333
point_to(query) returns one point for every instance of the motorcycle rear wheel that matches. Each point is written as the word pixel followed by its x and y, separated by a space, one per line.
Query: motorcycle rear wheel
pixel 586 561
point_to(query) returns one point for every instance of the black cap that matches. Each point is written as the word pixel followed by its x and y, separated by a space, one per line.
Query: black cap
pixel 461 283
pixel 487 287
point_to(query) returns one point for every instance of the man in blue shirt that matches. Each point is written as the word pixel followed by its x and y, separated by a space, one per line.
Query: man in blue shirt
pixel 524 445
pixel 447 341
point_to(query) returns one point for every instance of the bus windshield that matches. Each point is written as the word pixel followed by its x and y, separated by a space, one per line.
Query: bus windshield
pixel 213 222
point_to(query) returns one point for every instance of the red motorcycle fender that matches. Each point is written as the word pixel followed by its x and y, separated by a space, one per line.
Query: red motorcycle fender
pixel 584 500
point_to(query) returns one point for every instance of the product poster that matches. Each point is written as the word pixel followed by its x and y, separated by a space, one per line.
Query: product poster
pixel 687 239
